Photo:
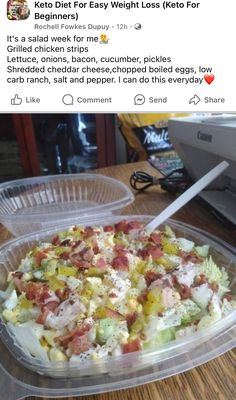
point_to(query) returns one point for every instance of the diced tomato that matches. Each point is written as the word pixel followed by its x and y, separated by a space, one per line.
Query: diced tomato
pixel 101 263
pixel 131 347
pixel 121 263
pixel 39 256
pixel 79 344
pixel 156 238
pixel 56 240
pixel 108 228
pixel 184 291
pixel 37 292
pixel 151 276
pixel 131 318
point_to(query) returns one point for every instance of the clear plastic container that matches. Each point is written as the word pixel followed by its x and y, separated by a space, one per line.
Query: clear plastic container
pixel 22 375
pixel 28 205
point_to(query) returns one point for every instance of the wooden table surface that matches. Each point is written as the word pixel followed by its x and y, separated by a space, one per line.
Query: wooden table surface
pixel 215 380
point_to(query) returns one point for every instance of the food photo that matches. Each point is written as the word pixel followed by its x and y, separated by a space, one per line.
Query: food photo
pixel 117 256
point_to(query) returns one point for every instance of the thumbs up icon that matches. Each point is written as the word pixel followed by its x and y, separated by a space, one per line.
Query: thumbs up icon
pixel 16 101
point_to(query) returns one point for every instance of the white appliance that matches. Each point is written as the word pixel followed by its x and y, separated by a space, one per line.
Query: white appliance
pixel 202 142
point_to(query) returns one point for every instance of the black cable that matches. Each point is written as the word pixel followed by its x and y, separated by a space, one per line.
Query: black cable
pixel 176 181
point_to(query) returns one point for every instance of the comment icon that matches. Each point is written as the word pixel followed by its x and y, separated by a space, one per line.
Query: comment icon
pixel 68 100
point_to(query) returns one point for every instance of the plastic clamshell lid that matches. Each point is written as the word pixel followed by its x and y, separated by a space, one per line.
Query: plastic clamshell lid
pixel 124 371
pixel 31 204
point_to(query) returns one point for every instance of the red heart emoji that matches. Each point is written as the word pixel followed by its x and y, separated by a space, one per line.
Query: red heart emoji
pixel 209 78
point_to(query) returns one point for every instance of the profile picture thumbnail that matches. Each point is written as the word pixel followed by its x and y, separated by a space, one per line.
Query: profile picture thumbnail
pixel 17 10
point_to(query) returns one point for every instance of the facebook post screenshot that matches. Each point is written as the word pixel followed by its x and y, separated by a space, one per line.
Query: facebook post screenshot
pixel 117 200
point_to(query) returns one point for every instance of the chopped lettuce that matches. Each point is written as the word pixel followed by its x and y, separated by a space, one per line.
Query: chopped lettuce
pixel 202 250
pixel 213 273
pixel 26 337
pixel 185 244
pixel 188 311
pixel 160 338
pixel 106 328
pixel 201 295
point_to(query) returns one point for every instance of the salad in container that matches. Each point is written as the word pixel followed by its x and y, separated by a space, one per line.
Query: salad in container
pixel 109 298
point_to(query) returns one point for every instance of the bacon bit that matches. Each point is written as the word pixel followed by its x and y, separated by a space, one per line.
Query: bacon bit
pixel 190 257
pixel 42 317
pixel 108 228
pixel 51 306
pixel 131 318
pixel 96 249
pixel 101 263
pixel 151 276
pixel 39 256
pixel 132 225
pixel 156 252
pixel 75 259
pixel 18 274
pixel 184 291
pixel 120 226
pixel 64 256
pixel 120 250
pixel 112 295
pixel 113 313
pixel 38 292
pixel 121 263
pixel 62 294
pixel 78 331
pixel 142 297
pixel 55 240
pixel 126 227
pixel 131 347
pixel 156 238
pixel 65 242
pixel 228 296
pixel 76 244
pixel 213 286
pixel 200 280
pixel 153 251
pixel 88 232
pixel 175 281
pixel 79 344
pixel 20 285
pixel 86 254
